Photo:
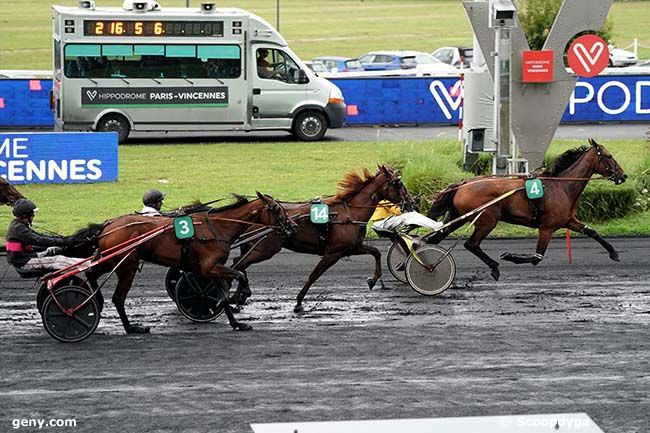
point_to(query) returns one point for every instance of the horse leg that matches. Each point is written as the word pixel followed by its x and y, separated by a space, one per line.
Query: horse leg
pixel 367 249
pixel 91 278
pixel 543 239
pixel 483 227
pixel 224 272
pixel 263 251
pixel 325 263
pixel 125 274
pixel 579 227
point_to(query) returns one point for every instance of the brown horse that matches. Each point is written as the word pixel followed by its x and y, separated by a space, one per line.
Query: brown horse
pixel 8 193
pixel 350 209
pixel 563 183
pixel 205 253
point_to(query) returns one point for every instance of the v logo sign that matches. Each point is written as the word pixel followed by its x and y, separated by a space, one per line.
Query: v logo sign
pixel 443 96
pixel 588 58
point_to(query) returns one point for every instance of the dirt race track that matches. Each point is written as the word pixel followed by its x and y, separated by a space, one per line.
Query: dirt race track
pixel 551 338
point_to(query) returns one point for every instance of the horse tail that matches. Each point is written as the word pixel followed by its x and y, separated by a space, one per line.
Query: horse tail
pixel 444 203
pixel 83 242
pixel 8 193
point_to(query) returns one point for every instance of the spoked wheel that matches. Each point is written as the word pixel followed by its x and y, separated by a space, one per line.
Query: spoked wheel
pixel 430 282
pixel 70 281
pixel 77 327
pixel 171 279
pixel 396 261
pixel 200 299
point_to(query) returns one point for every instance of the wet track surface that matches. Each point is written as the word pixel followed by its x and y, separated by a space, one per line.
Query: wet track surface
pixel 551 338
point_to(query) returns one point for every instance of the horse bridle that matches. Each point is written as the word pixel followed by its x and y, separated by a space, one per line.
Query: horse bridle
pixel 285 225
pixel 608 169
pixel 395 181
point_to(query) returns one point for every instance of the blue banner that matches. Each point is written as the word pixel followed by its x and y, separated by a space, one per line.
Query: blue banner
pixel 76 157
pixel 401 100
pixel 610 98
pixel 25 103
pixel 409 100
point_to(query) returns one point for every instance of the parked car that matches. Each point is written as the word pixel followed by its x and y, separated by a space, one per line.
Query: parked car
pixel 316 66
pixel 459 57
pixel 423 63
pixel 339 64
pixel 621 57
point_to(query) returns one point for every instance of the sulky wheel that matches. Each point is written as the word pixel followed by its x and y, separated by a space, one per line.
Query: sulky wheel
pixel 430 282
pixel 77 327
pixel 395 259
pixel 198 298
pixel 171 279
pixel 70 281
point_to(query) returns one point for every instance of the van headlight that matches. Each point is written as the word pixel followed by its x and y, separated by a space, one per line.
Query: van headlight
pixel 336 96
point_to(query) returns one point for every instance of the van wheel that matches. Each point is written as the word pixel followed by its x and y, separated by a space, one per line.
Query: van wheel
pixel 310 126
pixel 115 123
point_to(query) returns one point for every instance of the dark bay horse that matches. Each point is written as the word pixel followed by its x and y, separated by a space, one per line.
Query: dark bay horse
pixel 8 193
pixel 350 209
pixel 563 183
pixel 206 253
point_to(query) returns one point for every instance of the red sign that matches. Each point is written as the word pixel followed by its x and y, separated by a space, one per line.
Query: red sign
pixel 537 67
pixel 588 55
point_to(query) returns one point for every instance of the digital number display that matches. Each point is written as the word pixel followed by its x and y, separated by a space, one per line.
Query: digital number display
pixel 153 28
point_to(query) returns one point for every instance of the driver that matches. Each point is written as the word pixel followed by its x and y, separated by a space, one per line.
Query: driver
pixel 266 69
pixel 152 200
pixel 28 250
pixel 389 217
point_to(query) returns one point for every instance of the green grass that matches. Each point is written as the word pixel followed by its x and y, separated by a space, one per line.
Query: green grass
pixel 317 27
pixel 290 171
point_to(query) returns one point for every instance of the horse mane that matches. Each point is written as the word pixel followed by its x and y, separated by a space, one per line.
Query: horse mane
pixel 8 193
pixel 199 207
pixel 352 183
pixel 564 161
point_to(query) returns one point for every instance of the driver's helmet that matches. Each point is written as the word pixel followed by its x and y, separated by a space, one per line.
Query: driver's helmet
pixel 152 196
pixel 24 207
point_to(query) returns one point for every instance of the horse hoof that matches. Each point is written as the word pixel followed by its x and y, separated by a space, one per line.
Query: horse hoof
pixel 495 273
pixel 371 283
pixel 298 309
pixel 242 327
pixel 382 286
pixel 137 329
pixel 614 256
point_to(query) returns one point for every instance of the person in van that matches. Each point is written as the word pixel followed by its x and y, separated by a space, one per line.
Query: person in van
pixel 264 67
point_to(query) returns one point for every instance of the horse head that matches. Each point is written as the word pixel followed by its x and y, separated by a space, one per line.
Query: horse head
pixel 395 190
pixel 279 215
pixel 607 166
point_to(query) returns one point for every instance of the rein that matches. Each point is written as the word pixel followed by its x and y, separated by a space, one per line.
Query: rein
pixel 516 177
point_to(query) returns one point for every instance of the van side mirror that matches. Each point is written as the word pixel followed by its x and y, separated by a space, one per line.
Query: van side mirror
pixel 302 77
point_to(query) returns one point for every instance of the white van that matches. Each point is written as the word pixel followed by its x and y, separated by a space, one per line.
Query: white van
pixel 148 68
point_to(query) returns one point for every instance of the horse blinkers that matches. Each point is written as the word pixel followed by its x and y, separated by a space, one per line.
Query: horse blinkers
pixel 612 170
